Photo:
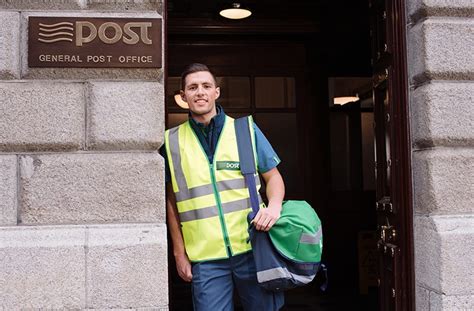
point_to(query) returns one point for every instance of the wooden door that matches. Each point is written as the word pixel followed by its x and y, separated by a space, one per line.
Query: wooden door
pixel 393 190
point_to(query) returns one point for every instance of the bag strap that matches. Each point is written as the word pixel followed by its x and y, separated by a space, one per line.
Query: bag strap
pixel 247 160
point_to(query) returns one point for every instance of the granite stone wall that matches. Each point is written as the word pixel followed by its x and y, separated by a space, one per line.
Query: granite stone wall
pixel 82 208
pixel 441 72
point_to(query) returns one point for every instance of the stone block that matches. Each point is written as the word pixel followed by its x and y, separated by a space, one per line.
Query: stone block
pixel 8 190
pixel 442 181
pixel 442 114
pixel 439 302
pixel 438 50
pixel 162 308
pixel 92 188
pixel 43 4
pixel 10 45
pixel 41 116
pixel 42 268
pixel 128 5
pixel 125 115
pixel 127 267
pixel 422 8
pixel 422 298
pixel 443 253
pixel 79 267
pixel 153 74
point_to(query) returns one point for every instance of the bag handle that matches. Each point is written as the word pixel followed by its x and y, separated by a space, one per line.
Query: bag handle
pixel 247 160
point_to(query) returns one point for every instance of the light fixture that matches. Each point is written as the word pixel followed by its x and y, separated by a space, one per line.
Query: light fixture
pixel 179 101
pixel 345 90
pixel 235 12
pixel 345 100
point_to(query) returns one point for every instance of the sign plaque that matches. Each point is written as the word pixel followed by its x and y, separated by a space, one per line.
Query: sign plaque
pixel 87 42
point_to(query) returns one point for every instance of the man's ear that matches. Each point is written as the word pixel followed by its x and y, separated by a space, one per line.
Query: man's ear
pixel 183 95
pixel 218 92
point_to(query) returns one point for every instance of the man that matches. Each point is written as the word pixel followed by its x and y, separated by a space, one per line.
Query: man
pixel 208 202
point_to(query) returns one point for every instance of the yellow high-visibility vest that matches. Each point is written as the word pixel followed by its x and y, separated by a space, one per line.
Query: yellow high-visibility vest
pixel 212 198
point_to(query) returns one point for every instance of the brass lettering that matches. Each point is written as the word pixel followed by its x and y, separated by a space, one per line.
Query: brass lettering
pixel 130 37
pixel 133 36
pixel 60 58
pixel 115 38
pixel 135 59
pixel 79 32
pixel 133 39
pixel 144 33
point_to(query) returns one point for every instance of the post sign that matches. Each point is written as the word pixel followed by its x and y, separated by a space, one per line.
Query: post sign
pixel 94 42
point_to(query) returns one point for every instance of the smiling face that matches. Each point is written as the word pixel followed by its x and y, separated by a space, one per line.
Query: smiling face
pixel 200 92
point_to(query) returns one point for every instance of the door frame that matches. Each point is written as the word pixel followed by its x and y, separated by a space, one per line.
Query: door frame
pixel 402 143
pixel 393 70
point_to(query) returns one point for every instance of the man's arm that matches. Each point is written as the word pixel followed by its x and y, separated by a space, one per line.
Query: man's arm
pixel 266 217
pixel 182 262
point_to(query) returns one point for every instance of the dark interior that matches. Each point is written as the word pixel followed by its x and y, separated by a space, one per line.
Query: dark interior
pixel 277 65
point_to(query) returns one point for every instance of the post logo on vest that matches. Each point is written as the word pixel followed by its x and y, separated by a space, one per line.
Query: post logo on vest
pixel 228 165
pixel 85 32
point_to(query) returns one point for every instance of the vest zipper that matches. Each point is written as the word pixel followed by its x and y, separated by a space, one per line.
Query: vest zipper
pixel 216 192
pixel 221 213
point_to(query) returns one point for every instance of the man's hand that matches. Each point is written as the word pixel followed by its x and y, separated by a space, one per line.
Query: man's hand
pixel 183 265
pixel 267 217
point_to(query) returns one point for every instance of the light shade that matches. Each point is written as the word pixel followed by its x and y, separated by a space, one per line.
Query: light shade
pixel 344 90
pixel 345 100
pixel 235 12
pixel 180 101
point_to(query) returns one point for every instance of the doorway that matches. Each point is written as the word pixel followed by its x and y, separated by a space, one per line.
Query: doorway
pixel 277 66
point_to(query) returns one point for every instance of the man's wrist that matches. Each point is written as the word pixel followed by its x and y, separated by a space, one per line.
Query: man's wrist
pixel 275 205
pixel 179 254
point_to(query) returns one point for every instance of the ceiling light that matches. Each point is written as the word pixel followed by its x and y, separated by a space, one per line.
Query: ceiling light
pixel 180 101
pixel 235 12
pixel 345 100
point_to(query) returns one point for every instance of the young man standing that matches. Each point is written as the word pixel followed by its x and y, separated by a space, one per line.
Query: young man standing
pixel 208 202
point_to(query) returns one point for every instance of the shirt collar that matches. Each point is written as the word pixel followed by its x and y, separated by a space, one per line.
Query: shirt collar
pixel 216 121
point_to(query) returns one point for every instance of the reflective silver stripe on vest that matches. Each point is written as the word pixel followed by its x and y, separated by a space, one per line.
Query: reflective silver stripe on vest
pixel 199 191
pixel 238 205
pixel 278 273
pixel 195 192
pixel 212 211
pixel 238 183
pixel 202 213
pixel 312 238
pixel 176 157
pixel 184 193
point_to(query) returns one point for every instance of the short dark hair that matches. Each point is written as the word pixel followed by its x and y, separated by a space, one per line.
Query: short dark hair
pixel 192 68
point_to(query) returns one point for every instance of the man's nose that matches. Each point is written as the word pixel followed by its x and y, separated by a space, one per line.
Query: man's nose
pixel 200 90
